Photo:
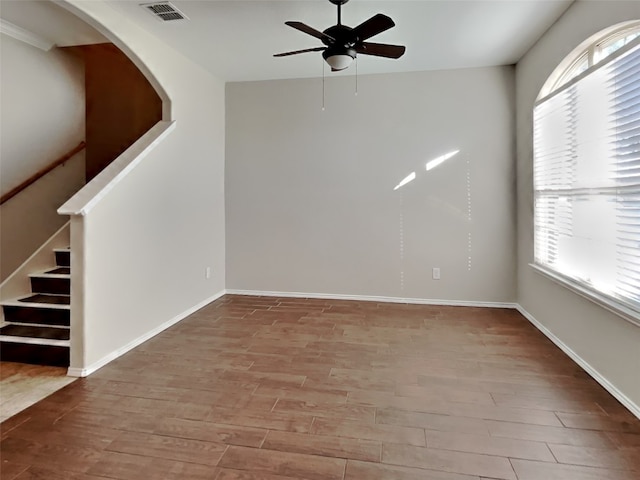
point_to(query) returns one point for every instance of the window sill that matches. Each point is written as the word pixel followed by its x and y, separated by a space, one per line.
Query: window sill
pixel 608 303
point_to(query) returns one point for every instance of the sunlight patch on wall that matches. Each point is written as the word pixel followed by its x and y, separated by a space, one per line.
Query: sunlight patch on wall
pixel 405 180
pixel 439 160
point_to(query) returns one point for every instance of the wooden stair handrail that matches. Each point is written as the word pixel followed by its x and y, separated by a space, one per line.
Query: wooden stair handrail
pixel 38 175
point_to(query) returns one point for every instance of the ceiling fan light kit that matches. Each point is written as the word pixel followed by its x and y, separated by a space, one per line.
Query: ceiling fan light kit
pixel 339 60
pixel 343 43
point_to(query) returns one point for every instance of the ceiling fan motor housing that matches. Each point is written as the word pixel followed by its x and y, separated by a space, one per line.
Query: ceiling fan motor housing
pixel 330 52
pixel 342 34
pixel 340 41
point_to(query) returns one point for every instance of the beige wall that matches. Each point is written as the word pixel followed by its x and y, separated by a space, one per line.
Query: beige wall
pixel 145 244
pixel 42 118
pixel 309 193
pixel 30 218
pixel 42 108
pixel 606 342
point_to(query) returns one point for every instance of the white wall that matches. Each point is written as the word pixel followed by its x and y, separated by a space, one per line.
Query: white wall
pixel 42 115
pixel 309 193
pixel 609 344
pixel 145 245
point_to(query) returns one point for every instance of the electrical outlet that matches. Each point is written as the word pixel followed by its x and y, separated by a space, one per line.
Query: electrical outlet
pixel 207 272
pixel 436 273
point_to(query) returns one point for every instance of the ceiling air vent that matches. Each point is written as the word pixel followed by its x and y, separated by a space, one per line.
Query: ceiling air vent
pixel 165 11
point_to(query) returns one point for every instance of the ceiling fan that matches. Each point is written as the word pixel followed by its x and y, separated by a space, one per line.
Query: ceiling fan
pixel 343 43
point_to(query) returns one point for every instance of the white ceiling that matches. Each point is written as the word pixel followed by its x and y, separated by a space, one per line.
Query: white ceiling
pixel 236 39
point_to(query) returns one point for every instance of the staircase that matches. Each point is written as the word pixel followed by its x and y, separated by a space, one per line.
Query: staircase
pixel 36 328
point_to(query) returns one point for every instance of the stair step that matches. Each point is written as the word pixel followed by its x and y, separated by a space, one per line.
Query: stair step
pixel 60 271
pixel 42 314
pixel 56 355
pixel 63 257
pixel 50 283
pixel 36 329
pixel 40 332
pixel 48 299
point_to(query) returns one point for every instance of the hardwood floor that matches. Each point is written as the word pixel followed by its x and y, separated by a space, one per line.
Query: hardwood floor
pixel 255 388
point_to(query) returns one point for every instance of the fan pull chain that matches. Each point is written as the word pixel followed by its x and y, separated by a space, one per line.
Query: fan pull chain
pixel 356 76
pixel 323 85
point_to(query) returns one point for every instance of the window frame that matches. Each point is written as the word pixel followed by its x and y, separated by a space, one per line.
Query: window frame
pixel 627 311
pixel 562 73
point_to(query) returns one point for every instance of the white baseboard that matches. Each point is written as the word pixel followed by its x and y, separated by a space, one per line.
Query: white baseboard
pixel 372 298
pixel 83 372
pixel 608 386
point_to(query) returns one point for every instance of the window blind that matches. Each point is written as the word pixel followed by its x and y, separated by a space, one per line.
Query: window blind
pixel 587 179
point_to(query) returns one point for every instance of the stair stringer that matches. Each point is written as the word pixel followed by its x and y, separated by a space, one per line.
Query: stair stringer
pixel 17 284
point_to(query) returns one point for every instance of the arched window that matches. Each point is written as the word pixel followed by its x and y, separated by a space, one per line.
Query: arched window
pixel 587 171
pixel 590 53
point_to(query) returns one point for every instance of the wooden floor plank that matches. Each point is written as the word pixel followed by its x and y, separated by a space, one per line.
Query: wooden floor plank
pixel 613 458
pixel 486 444
pixel 323 445
pixel 231 474
pixel 130 467
pixel 173 448
pixel 556 435
pixel 448 461
pixel 353 429
pixel 377 471
pixel 48 455
pixel 445 423
pixel 308 467
pixel 531 470
pixel 36 473
pixel 211 432
pixel 589 421
pixel 10 470
pixel 266 388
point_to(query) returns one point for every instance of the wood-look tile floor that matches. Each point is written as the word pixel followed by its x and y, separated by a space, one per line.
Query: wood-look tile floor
pixel 255 388
pixel 23 385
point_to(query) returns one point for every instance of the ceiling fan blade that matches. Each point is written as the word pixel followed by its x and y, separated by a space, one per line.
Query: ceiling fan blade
pixel 286 54
pixel 375 25
pixel 381 49
pixel 310 31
